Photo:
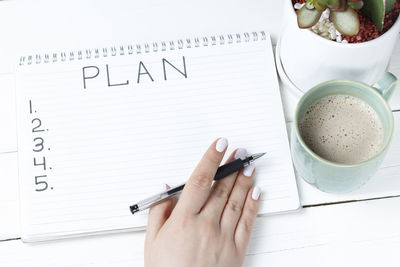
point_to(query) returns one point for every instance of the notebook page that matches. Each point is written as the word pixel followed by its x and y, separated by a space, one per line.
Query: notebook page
pixel 95 136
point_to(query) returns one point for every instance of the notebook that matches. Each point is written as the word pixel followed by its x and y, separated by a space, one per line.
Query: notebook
pixel 100 129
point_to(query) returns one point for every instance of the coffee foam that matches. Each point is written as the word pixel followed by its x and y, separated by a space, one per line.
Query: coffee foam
pixel 342 129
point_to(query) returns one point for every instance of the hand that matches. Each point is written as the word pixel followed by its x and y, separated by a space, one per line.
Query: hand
pixel 211 223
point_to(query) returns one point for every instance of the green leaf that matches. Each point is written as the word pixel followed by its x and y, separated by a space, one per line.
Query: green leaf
pixel 307 18
pixel 346 22
pixel 356 4
pixel 319 6
pixel 341 7
pixel 333 3
pixel 375 10
pixel 389 4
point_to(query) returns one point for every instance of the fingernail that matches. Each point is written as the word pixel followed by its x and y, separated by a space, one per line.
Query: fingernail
pixel 256 193
pixel 248 170
pixel 241 153
pixel 221 145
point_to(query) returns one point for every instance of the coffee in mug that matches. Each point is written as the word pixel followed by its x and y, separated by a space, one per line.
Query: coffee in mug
pixel 341 132
pixel 342 128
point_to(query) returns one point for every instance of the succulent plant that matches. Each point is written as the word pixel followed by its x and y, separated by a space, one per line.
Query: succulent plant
pixel 342 14
pixel 377 9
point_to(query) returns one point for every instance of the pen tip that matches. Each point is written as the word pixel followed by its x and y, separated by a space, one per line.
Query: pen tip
pixel 258 155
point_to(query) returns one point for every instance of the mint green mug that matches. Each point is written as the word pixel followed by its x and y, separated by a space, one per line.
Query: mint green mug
pixel 336 177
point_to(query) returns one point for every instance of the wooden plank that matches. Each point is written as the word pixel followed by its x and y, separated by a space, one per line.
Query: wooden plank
pixel 8 134
pixel 338 235
pixel 9 202
pixel 330 236
pixel 150 20
pixel 394 67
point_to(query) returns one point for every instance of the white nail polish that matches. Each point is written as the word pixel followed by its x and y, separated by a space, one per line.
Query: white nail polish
pixel 221 145
pixel 248 170
pixel 256 193
pixel 241 153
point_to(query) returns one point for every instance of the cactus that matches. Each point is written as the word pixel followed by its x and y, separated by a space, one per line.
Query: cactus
pixel 376 11
pixel 342 14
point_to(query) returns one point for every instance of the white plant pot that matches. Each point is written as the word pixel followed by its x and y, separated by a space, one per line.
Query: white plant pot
pixel 308 59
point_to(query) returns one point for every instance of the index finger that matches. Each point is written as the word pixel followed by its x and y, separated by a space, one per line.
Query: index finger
pixel 197 188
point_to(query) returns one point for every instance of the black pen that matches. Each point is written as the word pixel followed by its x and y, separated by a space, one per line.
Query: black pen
pixel 222 172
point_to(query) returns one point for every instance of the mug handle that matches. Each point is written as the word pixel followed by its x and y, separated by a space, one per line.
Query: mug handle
pixel 386 85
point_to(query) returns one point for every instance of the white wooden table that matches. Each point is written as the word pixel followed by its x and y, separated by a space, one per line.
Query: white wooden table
pixel 361 228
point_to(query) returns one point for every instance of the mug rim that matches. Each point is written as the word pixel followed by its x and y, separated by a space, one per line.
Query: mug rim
pixel 337 164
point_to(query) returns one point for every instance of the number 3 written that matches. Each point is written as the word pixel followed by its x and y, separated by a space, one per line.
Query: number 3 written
pixel 39 145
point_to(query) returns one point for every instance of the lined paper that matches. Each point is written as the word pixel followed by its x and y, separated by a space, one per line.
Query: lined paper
pixel 112 140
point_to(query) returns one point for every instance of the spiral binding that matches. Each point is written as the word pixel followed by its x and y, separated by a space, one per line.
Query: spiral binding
pixel 142 48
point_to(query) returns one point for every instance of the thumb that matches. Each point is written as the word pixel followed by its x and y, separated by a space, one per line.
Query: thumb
pixel 158 215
